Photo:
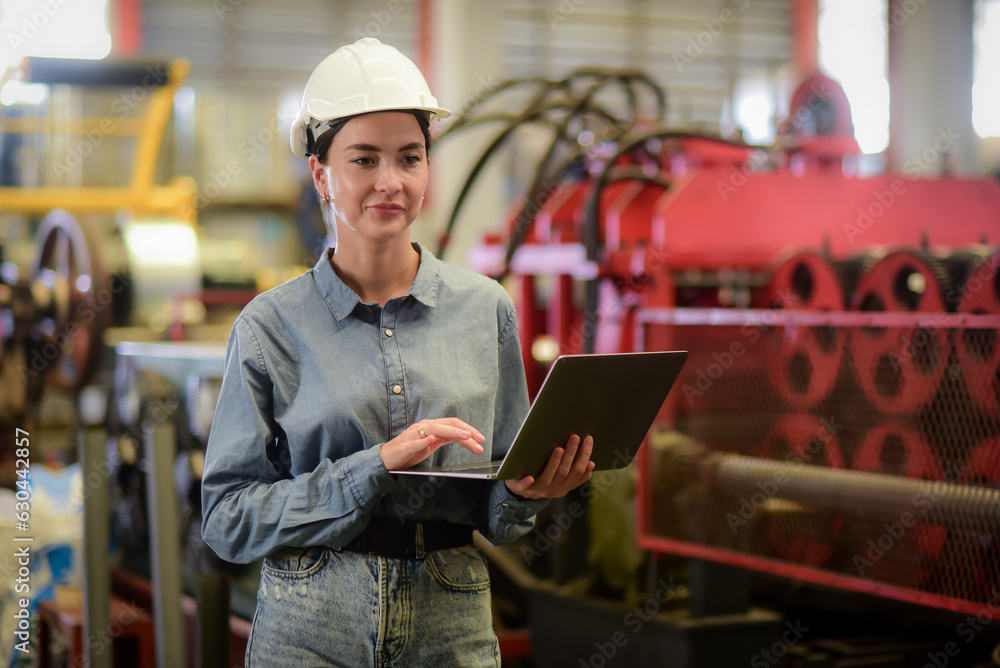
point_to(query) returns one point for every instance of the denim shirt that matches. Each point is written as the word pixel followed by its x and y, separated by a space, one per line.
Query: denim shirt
pixel 317 380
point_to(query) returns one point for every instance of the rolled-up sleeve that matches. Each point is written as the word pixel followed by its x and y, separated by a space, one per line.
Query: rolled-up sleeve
pixel 251 504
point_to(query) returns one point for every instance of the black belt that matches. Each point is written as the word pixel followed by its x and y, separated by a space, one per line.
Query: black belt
pixel 409 540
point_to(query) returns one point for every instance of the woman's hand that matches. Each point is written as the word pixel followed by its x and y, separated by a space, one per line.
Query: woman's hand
pixel 568 468
pixel 418 441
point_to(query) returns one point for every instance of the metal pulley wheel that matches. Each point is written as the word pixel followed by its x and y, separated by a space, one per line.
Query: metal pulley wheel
pixel 980 556
pixel 900 368
pixel 797 534
pixel 894 449
pixel 71 288
pixel 979 349
pixel 803 437
pixel 804 361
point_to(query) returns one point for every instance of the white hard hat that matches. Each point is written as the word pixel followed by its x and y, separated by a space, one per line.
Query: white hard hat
pixel 359 78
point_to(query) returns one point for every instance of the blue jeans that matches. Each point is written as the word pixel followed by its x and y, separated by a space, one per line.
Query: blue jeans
pixel 319 607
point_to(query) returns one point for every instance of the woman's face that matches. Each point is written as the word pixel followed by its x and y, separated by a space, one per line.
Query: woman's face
pixel 375 175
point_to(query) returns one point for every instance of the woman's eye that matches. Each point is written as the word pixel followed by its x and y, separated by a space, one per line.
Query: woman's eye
pixel 365 161
pixel 412 159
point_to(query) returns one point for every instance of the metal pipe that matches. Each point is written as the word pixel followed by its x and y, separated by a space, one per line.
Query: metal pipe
pixel 160 441
pixel 97 574
pixel 841 490
pixel 212 631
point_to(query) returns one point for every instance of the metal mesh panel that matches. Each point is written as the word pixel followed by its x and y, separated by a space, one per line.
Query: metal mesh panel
pixel 859 450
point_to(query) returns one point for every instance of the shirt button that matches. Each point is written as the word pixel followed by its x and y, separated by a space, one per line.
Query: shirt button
pixel 388 332
pixel 396 389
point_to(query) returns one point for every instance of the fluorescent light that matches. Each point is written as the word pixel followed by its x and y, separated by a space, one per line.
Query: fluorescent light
pixel 54 29
pixel 17 92
pixel 162 244
pixel 986 70
pixel 755 109
pixel 853 50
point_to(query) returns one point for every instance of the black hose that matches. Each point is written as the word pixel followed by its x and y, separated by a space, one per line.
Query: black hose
pixel 532 113
pixel 535 116
pixel 527 213
pixel 466 118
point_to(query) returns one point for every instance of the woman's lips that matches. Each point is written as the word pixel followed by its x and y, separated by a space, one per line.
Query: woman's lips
pixel 386 209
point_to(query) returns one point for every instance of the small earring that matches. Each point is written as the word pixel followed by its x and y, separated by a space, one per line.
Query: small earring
pixel 326 199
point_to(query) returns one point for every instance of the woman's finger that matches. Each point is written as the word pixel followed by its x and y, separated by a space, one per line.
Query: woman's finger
pixel 544 479
pixel 459 424
pixel 583 454
pixel 568 458
pixel 444 431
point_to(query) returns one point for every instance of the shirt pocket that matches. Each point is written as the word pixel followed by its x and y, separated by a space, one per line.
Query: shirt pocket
pixel 459 569
pixel 296 562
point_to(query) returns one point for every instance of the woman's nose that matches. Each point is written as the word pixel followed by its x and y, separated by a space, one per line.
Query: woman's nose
pixel 389 180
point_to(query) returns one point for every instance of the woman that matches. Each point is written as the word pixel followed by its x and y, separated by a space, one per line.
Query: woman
pixel 379 357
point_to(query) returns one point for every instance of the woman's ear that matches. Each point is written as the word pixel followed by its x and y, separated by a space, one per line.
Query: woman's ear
pixel 318 170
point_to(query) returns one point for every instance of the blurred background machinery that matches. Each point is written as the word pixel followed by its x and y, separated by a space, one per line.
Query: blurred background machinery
pixel 837 420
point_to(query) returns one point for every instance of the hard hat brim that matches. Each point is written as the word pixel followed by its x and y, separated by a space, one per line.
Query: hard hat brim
pixel 299 141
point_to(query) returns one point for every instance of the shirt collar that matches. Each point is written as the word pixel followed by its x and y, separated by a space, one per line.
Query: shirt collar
pixel 343 299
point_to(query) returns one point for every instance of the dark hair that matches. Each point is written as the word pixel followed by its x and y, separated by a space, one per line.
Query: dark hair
pixel 321 145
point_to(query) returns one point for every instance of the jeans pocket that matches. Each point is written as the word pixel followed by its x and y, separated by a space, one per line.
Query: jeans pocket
pixel 459 569
pixel 296 562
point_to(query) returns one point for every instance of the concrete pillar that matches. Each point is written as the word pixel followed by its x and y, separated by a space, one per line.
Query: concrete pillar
pixel 467 61
pixel 930 78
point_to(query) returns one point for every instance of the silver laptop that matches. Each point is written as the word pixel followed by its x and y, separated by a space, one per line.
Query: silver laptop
pixel 614 398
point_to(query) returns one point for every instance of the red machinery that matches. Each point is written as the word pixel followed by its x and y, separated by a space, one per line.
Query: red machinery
pixel 843 337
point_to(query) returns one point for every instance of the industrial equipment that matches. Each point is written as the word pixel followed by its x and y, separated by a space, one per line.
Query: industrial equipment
pixel 838 414
pixel 55 320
